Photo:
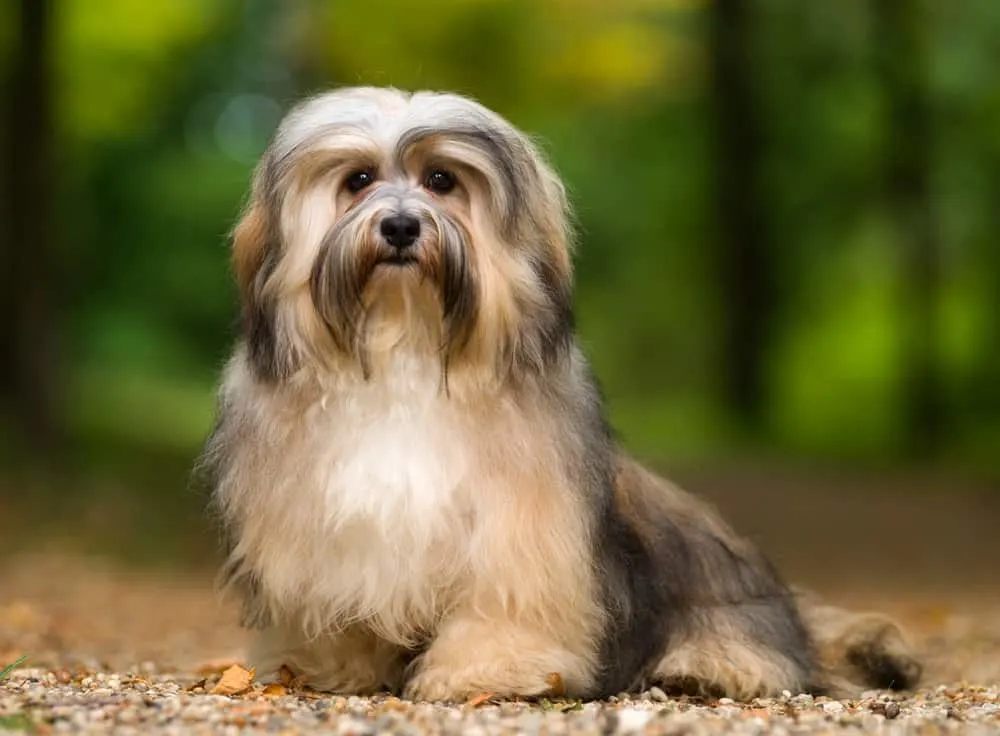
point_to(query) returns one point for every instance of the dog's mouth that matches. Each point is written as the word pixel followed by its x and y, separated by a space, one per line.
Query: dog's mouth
pixel 397 260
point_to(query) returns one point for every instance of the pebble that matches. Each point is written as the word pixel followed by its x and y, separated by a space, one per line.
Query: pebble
pixel 657 695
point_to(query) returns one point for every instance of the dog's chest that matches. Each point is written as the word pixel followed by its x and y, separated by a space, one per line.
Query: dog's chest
pixel 394 459
pixel 381 519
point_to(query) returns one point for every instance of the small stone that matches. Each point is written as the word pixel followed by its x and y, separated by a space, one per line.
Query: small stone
pixel 891 710
pixel 833 707
pixel 657 695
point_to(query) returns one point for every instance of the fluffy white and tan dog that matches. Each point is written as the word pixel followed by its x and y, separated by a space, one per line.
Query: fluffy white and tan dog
pixel 412 462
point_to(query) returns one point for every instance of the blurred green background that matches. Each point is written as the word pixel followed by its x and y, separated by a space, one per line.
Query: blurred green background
pixel 789 211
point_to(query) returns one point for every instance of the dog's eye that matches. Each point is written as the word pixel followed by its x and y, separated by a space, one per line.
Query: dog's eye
pixel 359 180
pixel 440 182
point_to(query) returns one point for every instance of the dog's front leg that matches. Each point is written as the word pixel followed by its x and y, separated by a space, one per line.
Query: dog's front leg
pixel 473 655
pixel 528 619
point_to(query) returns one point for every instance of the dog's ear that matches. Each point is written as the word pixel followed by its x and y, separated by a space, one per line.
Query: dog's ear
pixel 554 219
pixel 255 254
pixel 547 226
pixel 250 239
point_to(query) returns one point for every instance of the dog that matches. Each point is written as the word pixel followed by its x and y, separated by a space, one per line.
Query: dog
pixel 412 465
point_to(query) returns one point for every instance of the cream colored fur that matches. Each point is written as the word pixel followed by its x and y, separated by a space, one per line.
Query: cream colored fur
pixel 410 507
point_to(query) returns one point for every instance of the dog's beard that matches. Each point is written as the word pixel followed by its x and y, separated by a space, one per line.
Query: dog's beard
pixel 346 275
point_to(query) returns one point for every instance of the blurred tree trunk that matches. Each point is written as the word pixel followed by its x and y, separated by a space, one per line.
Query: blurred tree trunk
pixel 744 253
pixel 27 330
pixel 901 49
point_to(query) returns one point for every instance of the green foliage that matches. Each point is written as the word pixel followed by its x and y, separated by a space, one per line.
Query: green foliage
pixel 113 64
pixel 517 55
pixel 163 107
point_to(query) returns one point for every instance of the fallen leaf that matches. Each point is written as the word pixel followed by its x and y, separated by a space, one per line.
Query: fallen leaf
pixel 200 685
pixel 478 700
pixel 63 676
pixel 556 686
pixel 234 681
pixel 275 689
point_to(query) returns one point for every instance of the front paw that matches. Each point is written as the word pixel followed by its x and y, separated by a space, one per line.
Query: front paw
pixel 440 684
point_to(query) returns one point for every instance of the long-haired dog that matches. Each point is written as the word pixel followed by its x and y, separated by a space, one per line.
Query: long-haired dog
pixel 412 462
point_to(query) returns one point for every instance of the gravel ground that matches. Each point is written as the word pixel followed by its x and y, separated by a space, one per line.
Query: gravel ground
pixel 156 703
pixel 143 653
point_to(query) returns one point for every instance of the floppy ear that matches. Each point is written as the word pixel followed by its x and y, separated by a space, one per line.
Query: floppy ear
pixel 256 250
pixel 557 220
pixel 546 226
pixel 250 244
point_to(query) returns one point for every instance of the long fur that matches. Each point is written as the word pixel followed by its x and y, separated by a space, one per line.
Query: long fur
pixel 412 464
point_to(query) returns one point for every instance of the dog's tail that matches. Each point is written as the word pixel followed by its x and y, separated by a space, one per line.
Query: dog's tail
pixel 858 651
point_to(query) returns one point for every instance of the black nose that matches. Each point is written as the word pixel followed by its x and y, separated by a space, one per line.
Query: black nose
pixel 400 231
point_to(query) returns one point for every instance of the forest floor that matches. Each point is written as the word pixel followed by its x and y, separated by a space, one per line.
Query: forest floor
pixel 113 647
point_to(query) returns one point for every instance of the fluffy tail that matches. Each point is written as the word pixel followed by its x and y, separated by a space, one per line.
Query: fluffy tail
pixel 858 651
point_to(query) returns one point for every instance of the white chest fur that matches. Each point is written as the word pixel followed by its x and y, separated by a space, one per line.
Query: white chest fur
pixel 353 507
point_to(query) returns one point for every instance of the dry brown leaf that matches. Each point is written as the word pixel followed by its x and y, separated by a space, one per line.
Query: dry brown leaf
pixel 557 687
pixel 275 689
pixel 478 700
pixel 216 666
pixel 234 681
pixel 200 685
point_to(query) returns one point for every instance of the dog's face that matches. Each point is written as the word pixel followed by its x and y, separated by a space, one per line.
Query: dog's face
pixel 379 216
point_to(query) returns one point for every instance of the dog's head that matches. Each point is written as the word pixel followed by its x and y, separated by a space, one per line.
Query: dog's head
pixel 379 216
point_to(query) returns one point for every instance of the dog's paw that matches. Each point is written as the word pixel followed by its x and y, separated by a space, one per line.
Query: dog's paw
pixel 440 684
